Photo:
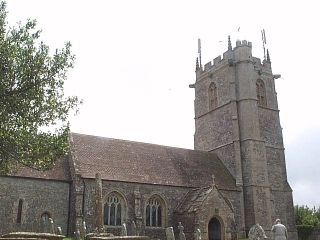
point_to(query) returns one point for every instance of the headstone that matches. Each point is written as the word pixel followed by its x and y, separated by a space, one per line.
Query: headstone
pixel 52 230
pixel 197 234
pixel 182 236
pixel 78 234
pixel 84 229
pixel 257 233
pixel 169 233
pixel 59 230
pixel 139 225
pixel 124 230
pixel 134 228
pixel 98 204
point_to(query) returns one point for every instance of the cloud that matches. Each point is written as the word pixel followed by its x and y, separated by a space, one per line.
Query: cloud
pixel 302 156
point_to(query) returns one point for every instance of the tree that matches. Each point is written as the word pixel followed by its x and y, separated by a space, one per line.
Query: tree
pixel 307 216
pixel 34 129
pixel 306 220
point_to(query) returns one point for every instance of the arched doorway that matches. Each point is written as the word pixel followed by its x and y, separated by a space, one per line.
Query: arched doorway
pixel 214 229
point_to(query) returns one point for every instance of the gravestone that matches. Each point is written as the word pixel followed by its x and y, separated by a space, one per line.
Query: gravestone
pixel 197 234
pixel 124 231
pixel 59 230
pixel 133 228
pixel 182 236
pixel 257 233
pixel 52 230
pixel 170 233
pixel 83 229
pixel 78 234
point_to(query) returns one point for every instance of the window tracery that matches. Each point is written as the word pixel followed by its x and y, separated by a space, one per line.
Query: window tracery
pixel 155 212
pixel 113 210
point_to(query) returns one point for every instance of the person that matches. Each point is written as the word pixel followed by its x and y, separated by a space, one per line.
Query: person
pixel 279 231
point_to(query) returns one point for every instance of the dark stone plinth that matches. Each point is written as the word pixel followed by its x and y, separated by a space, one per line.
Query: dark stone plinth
pixel 31 235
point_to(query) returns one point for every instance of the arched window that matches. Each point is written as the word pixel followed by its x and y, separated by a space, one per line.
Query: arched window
pixel 212 94
pixel 45 222
pixel 45 217
pixel 114 210
pixel 19 215
pixel 155 212
pixel 261 93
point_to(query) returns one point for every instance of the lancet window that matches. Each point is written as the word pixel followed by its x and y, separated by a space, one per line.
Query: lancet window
pixel 19 215
pixel 261 93
pixel 213 97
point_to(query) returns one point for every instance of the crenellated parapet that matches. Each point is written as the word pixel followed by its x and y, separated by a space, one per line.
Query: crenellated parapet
pixel 242 52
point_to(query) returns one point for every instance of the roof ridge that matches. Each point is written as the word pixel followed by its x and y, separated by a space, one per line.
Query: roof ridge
pixel 140 142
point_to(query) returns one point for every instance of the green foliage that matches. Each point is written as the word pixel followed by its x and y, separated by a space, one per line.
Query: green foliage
pixel 304 231
pixel 307 216
pixel 34 111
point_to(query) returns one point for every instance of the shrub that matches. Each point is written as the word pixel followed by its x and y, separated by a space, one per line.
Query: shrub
pixel 304 231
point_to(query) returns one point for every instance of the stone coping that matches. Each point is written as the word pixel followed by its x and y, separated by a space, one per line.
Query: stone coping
pixel 120 238
pixel 31 235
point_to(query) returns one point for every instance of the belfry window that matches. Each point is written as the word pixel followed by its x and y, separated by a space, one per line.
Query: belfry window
pixel 212 95
pixel 154 212
pixel 113 210
pixel 261 93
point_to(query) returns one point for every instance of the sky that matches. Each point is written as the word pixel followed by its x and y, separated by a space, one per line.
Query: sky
pixel 136 59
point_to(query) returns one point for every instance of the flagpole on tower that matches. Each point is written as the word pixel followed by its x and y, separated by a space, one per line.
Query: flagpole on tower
pixel 264 42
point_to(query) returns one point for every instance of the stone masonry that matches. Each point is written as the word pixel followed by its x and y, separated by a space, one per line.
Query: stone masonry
pixel 245 133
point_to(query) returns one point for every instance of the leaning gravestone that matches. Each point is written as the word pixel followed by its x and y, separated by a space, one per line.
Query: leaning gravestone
pixel 59 230
pixel 124 231
pixel 169 233
pixel 52 230
pixel 257 233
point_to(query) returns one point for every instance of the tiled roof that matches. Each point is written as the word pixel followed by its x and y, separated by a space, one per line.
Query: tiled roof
pixel 60 171
pixel 193 200
pixel 128 161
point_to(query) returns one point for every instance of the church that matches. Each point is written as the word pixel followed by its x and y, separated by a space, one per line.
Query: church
pixel 234 178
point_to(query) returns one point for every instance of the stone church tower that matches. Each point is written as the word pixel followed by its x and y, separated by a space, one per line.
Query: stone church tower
pixel 237 117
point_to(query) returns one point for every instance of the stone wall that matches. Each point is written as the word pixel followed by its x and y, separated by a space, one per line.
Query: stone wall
pixel 38 196
pixel 129 191
pixel 236 199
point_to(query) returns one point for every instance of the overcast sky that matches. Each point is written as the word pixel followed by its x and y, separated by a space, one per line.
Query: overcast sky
pixel 135 60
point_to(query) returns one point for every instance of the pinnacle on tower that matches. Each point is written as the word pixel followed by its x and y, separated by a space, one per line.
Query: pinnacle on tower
pixel 268 56
pixel 197 64
pixel 229 43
